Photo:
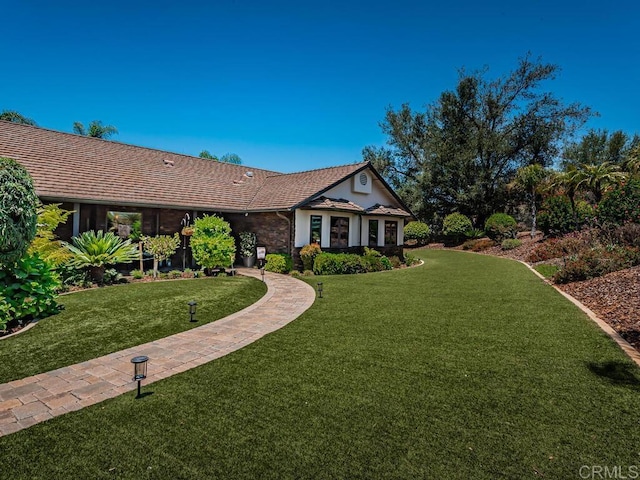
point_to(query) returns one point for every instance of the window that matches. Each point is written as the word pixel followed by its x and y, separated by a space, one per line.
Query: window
pixel 390 233
pixel 339 232
pixel 316 229
pixel 125 224
pixel 373 233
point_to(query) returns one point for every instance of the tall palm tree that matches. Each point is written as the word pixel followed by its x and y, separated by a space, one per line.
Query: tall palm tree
pixel 96 129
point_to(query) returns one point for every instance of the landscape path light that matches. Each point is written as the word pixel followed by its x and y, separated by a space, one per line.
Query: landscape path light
pixel 139 370
pixel 192 310
pixel 320 289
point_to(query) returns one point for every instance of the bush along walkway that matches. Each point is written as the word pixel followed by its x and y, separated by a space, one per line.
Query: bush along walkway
pixel 31 400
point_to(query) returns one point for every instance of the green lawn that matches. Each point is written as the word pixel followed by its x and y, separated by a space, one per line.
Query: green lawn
pixel 106 320
pixel 469 367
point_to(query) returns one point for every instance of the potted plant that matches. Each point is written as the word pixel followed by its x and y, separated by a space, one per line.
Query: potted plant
pixel 248 248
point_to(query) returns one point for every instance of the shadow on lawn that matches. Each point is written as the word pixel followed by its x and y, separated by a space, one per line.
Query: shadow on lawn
pixel 617 373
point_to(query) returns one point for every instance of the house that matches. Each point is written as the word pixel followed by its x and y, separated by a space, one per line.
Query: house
pixel 115 186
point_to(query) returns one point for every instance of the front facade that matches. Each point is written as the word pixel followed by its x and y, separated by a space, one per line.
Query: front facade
pixel 119 187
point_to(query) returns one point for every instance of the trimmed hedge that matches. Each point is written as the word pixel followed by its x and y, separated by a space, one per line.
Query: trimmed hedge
pixel 278 263
pixel 500 226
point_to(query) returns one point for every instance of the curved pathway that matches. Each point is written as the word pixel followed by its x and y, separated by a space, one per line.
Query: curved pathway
pixel 31 400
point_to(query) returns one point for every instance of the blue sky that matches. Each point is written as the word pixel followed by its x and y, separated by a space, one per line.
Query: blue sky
pixel 293 85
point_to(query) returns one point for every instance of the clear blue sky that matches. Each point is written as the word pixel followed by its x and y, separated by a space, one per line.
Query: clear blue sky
pixel 293 85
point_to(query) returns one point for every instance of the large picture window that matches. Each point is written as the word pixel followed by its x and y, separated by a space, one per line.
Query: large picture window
pixel 339 232
pixel 373 233
pixel 390 233
pixel 316 229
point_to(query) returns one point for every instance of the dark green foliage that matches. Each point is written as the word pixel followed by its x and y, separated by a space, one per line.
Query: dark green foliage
pixel 557 217
pixel 18 211
pixel 338 264
pixel 455 225
pixel 464 149
pixel 599 146
pixel 500 226
pixel 474 234
pixel 621 205
pixel 29 288
pixel 510 243
pixel 15 117
pixel 374 261
pixel 308 255
pixel 96 129
pixel 278 263
pixel 418 231
pixel 247 244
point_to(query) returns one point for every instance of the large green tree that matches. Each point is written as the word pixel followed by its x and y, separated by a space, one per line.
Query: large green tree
pixel 96 129
pixel 226 158
pixel 462 151
pixel 599 146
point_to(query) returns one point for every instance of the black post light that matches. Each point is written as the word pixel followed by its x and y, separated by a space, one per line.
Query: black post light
pixel 192 310
pixel 184 223
pixel 139 370
pixel 320 289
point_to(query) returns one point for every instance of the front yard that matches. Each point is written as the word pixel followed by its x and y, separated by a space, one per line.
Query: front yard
pixel 467 367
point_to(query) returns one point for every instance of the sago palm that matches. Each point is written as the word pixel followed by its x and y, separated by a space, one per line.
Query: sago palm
pixel 97 250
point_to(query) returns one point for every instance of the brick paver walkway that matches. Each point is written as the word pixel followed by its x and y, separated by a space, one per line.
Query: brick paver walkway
pixel 35 399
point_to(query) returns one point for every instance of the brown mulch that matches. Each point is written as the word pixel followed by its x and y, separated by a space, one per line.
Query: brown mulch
pixel 615 298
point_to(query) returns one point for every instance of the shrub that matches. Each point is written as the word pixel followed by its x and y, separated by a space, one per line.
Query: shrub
pixel 474 234
pixel 18 211
pixel 455 225
pixel 557 218
pixel 410 259
pixel 308 255
pixel 188 273
pixel 510 243
pixel 29 288
pixel 137 274
pixel 247 244
pixel 211 243
pixel 395 261
pixel 372 260
pixel 500 226
pixel 556 248
pixel 621 204
pixel 417 231
pixel 97 250
pixel 161 247
pixel 295 273
pixel 478 245
pixel 338 263
pixel 112 276
pixel 175 274
pixel 278 263
pixel 596 262
pixel 45 243
pixel 308 273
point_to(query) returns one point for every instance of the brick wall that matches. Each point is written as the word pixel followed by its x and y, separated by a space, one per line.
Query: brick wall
pixel 271 231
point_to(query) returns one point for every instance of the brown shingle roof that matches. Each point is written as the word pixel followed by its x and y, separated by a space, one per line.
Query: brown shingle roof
pixel 65 166
pixel 378 209
pixel 324 203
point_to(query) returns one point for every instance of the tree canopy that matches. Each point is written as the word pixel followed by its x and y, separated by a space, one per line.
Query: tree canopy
pixel 15 117
pixel 599 146
pixel 462 151
pixel 226 158
pixel 96 129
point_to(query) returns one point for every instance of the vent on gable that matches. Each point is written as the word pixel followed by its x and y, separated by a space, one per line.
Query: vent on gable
pixel 362 183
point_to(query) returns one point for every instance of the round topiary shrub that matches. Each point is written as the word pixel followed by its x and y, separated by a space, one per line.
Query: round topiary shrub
pixel 500 226
pixel 211 243
pixel 18 211
pixel 418 231
pixel 455 225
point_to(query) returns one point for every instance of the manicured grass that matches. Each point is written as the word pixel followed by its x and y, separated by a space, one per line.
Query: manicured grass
pixel 467 367
pixel 101 321
pixel 546 270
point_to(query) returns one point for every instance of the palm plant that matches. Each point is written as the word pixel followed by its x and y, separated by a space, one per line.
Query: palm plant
pixel 597 179
pixel 96 129
pixel 97 250
pixel 530 179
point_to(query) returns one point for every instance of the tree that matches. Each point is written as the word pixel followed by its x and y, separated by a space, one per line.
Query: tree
pixel 161 247
pixel 96 129
pixel 530 179
pixel 599 178
pixel 208 156
pixel 211 243
pixel 460 154
pixel 18 211
pixel 15 117
pixel 598 146
pixel 45 243
pixel 231 158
